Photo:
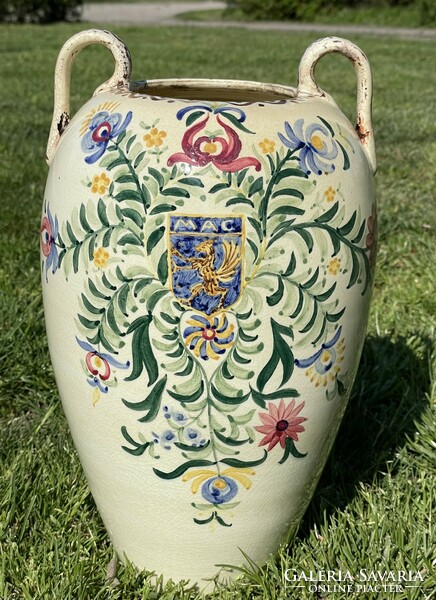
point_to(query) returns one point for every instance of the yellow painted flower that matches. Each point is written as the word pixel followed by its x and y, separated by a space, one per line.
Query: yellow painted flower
pixel 334 266
pixel 267 146
pixel 154 138
pixel 330 194
pixel 100 184
pixel 101 258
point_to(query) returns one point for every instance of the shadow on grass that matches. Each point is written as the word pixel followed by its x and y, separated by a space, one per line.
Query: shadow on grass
pixel 388 396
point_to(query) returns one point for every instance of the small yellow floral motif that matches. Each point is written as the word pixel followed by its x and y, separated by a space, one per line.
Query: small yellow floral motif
pixel 334 266
pixel 210 147
pixel 154 138
pixel 101 258
pixel 100 184
pixel 267 146
pixel 330 194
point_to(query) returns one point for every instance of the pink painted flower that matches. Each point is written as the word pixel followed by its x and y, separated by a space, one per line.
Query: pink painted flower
pixel 201 148
pixel 281 422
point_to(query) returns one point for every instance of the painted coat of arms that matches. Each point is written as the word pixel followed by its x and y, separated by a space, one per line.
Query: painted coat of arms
pixel 205 255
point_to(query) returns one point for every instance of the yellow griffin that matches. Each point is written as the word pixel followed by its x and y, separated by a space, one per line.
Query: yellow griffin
pixel 204 264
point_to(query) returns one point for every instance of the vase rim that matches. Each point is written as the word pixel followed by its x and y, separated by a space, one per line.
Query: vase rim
pixel 214 90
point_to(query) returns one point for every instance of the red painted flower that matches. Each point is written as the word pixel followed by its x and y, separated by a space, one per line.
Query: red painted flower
pixel 222 151
pixel 281 422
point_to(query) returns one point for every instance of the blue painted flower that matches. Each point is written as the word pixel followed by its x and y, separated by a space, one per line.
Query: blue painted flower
pixel 99 365
pixel 49 232
pixel 316 144
pixel 324 365
pixel 209 337
pixel 219 489
pixel 167 438
pixel 193 436
pixel 102 128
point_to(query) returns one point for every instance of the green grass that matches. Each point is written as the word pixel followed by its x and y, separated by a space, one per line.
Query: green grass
pixel 374 507
pixel 380 16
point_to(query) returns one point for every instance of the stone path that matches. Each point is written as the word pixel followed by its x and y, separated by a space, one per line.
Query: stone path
pixel 165 13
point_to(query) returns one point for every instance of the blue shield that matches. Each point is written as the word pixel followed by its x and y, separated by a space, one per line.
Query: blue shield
pixel 205 260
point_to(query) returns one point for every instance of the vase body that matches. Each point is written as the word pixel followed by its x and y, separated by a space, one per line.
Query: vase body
pixel 207 262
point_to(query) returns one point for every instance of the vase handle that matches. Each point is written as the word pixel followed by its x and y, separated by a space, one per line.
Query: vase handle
pixel 69 51
pixel 308 87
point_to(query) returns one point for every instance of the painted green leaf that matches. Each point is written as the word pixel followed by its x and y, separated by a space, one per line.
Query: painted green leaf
pixel 133 215
pixel 347 228
pixel 311 281
pixel 281 353
pixel 154 299
pixel 129 238
pixel 189 448
pixel 127 178
pixel 261 399
pixel 239 200
pixel 154 238
pixel 184 398
pixel 204 521
pixel 157 176
pixel 162 208
pixel 325 295
pixel 102 214
pixel 291 266
pixel 257 227
pixel 239 359
pixel 328 216
pixel 254 248
pixel 151 403
pixel 138 449
pixel 289 192
pixel 286 210
pixel 183 468
pixel 255 187
pixel 234 462
pixel 142 350
pixel 290 173
pixel 83 221
pixel 221 521
pixel 334 318
pixel 128 195
pixel 277 295
pixel 360 233
pixel 327 124
pixel 229 399
pixel 169 319
pixel 345 155
pixel 290 449
pixel 225 371
pixel 188 369
pixel 162 268
pixel 247 338
pixel 218 187
pixel 228 440
pixel 194 181
pixel 177 192
pixel 193 117
pixel 235 122
pixel 312 319
pixel 96 292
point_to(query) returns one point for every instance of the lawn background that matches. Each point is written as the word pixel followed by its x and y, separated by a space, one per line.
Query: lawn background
pixel 374 507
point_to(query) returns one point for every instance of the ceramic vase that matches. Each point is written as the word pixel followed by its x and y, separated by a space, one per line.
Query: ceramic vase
pixel 207 252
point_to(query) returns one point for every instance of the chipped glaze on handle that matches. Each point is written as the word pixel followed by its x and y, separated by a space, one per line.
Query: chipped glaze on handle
pixel 67 55
pixel 308 87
